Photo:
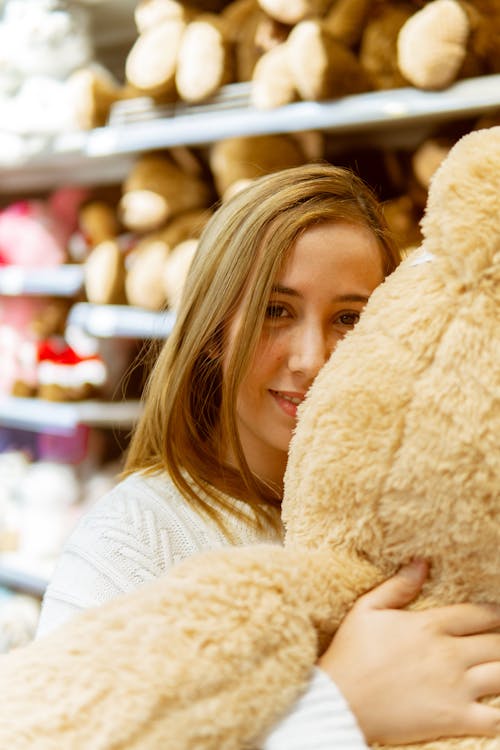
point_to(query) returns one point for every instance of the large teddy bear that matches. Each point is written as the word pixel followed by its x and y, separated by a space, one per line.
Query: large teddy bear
pixel 396 455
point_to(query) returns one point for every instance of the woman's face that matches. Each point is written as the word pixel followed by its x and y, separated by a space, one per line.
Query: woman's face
pixel 317 298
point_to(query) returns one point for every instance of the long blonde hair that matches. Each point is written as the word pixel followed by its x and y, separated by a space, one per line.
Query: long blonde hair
pixel 189 420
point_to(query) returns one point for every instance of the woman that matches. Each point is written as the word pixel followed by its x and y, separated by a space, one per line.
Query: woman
pixel 282 273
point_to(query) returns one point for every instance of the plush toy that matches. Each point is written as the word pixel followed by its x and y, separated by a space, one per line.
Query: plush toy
pixel 130 269
pixel 450 39
pixel 150 262
pixel 311 63
pixel 333 49
pixel 50 81
pixel 341 47
pixel 36 233
pixel 180 52
pixel 234 162
pixel 165 200
pixel 156 189
pixel 387 463
pixel 24 323
pixel 308 49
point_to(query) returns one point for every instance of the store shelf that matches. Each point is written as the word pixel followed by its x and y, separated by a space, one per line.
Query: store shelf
pixel 16 574
pixel 63 418
pixel 120 321
pixel 58 281
pixel 106 154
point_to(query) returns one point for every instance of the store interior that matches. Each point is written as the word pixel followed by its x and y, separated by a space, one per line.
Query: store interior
pixel 116 146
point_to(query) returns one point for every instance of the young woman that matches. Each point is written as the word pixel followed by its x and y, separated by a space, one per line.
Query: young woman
pixel 282 273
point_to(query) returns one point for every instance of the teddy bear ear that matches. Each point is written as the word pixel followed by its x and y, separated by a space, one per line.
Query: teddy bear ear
pixel 462 217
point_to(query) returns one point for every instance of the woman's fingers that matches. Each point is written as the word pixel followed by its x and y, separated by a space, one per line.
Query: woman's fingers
pixel 484 680
pixel 399 590
pixel 479 649
pixel 466 619
pixel 416 675
pixel 482 720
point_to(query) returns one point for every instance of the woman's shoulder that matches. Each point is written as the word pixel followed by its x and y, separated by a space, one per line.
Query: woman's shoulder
pixel 143 504
pixel 134 497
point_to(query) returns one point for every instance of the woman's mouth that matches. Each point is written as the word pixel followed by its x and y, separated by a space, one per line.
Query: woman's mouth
pixel 287 401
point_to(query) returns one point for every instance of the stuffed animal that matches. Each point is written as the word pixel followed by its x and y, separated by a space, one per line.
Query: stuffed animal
pixel 234 162
pixel 180 52
pixel 312 62
pixel 165 200
pixel 156 189
pixel 184 52
pixel 308 49
pixel 36 233
pixel 50 81
pixel 150 265
pixel 333 49
pixel 450 39
pixel 387 463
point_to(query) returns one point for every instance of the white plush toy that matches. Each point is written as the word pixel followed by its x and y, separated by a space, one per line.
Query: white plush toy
pixel 43 44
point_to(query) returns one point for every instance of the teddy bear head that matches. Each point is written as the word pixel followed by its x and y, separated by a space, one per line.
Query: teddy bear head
pixel 396 452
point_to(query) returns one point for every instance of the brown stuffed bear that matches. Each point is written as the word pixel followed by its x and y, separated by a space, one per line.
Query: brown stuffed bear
pixel 342 47
pixel 387 463
pixel 180 52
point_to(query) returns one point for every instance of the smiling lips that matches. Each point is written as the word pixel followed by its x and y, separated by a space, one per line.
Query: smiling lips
pixel 288 401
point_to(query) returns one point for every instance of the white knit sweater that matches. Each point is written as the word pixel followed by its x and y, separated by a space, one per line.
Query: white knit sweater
pixel 136 533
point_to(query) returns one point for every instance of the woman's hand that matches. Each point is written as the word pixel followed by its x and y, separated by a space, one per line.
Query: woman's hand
pixel 413 676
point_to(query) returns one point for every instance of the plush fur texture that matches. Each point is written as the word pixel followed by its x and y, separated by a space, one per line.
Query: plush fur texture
pixel 396 454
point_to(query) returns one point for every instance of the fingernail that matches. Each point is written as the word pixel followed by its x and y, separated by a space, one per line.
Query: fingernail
pixel 414 569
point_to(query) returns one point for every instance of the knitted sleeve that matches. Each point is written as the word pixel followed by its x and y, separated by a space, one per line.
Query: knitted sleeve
pixel 320 720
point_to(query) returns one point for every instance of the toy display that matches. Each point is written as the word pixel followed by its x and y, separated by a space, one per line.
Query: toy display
pixel 50 81
pixel 385 465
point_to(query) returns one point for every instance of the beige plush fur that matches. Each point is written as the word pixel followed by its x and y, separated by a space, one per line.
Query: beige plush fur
pixel 396 455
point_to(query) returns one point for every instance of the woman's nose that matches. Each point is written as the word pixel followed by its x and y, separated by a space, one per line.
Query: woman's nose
pixel 309 351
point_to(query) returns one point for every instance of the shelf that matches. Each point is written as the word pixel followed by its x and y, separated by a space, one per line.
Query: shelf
pixel 106 154
pixel 36 414
pixel 58 281
pixel 16 574
pixel 120 321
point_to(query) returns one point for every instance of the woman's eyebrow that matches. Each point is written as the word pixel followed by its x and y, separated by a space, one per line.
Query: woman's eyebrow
pixel 279 289
pixel 351 298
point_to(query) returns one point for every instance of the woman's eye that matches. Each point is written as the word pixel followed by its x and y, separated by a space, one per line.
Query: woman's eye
pixel 349 318
pixel 275 311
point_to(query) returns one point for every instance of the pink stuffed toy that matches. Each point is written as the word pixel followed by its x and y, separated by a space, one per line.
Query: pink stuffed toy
pixel 36 233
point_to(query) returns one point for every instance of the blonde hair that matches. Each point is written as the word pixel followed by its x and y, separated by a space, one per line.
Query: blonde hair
pixel 189 420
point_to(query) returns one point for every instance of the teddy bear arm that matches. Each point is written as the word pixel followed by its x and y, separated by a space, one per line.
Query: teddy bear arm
pixel 211 654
